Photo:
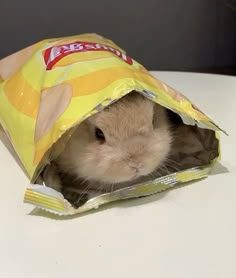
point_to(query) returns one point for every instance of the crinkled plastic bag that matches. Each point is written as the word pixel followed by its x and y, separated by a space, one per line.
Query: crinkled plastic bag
pixel 47 89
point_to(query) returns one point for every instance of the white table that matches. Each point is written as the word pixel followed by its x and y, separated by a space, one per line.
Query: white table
pixel 188 232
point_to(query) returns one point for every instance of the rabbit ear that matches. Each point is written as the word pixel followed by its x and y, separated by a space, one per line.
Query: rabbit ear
pixel 54 102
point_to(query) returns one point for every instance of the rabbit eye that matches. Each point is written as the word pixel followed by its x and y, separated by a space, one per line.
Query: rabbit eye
pixel 99 134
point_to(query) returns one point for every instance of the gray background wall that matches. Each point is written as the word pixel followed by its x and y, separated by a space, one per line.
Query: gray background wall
pixel 193 35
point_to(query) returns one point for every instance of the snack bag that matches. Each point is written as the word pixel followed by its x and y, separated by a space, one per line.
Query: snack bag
pixel 49 88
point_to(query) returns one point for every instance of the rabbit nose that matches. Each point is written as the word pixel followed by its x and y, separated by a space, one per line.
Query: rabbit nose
pixel 135 169
pixel 140 165
pixel 136 166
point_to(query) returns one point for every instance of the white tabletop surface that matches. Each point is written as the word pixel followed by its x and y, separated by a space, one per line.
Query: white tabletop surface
pixel 188 232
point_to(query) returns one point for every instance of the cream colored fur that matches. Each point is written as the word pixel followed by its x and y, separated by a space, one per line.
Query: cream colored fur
pixel 138 141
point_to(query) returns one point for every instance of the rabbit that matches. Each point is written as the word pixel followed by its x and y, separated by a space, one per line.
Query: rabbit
pixel 115 147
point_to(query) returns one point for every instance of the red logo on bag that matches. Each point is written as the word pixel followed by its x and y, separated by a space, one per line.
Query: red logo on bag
pixel 54 54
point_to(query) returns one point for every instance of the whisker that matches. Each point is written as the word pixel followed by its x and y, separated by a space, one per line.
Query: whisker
pixel 172 161
pixel 172 167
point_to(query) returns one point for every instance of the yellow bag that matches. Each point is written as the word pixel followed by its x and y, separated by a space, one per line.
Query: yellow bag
pixel 50 87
